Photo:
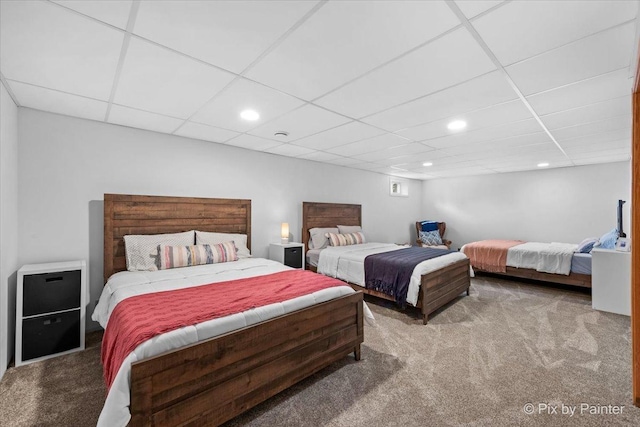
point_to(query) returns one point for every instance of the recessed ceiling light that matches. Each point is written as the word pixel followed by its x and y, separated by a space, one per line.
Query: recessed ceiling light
pixel 427 164
pixel 543 165
pixel 250 115
pixel 457 125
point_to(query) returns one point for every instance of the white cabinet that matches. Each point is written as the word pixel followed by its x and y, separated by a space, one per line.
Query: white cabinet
pixel 611 281
pixel 289 254
pixel 50 310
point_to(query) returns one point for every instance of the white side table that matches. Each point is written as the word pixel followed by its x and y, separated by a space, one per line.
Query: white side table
pixel 611 281
pixel 289 254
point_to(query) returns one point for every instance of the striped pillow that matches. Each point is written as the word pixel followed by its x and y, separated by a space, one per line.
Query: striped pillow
pixel 186 256
pixel 346 239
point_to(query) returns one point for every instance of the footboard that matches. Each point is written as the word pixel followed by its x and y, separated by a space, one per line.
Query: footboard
pixel 444 285
pixel 213 381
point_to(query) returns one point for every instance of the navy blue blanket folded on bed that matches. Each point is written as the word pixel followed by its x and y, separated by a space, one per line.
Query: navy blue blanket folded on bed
pixel 390 272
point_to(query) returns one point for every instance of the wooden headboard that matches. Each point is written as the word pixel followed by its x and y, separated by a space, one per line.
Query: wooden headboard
pixel 325 215
pixel 130 214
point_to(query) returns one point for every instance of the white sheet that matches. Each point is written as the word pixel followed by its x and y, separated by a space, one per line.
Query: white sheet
pixel 347 263
pixel 126 284
pixel 544 257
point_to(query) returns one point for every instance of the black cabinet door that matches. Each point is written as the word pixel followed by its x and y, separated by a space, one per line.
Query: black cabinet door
pixel 293 257
pixel 50 334
pixel 49 292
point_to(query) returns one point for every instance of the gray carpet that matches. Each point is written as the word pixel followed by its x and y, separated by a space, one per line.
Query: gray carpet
pixel 477 363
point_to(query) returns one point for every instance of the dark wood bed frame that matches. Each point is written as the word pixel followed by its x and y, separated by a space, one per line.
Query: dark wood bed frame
pixel 436 288
pixel 212 381
pixel 573 279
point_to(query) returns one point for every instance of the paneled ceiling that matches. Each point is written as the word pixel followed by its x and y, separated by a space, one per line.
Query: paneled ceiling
pixel 369 85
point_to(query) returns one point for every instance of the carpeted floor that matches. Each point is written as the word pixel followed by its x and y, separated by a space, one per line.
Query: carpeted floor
pixel 478 362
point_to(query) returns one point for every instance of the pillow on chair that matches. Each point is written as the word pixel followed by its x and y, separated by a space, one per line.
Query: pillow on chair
pixel 431 238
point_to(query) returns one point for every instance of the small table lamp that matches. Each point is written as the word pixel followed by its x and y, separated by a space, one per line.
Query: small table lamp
pixel 284 233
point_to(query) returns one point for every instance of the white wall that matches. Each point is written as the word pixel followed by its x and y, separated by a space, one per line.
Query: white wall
pixel 8 224
pixel 551 205
pixel 67 164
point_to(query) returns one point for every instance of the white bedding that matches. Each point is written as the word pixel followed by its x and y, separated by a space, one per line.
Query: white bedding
pixel 544 257
pixel 347 263
pixel 126 284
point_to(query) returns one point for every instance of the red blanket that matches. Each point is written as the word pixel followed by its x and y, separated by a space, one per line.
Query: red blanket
pixel 137 319
pixel 490 255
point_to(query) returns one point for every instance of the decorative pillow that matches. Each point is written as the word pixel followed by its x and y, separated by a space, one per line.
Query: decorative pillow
pixel 240 240
pixel 608 240
pixel 345 229
pixel 319 237
pixel 186 256
pixel 586 245
pixel 141 251
pixel 431 238
pixel 429 225
pixel 346 239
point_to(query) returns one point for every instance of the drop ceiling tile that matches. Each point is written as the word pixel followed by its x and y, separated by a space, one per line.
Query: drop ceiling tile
pixel 598 138
pixel 599 148
pixel 498 144
pixel 58 102
pixel 589 57
pixel 622 157
pixel 496 115
pixel 600 88
pixel 289 150
pixel 158 80
pixel 521 127
pixel 345 134
pixel 113 12
pixel 343 161
pixel 390 153
pixel 142 119
pixel 607 125
pixel 253 142
pixel 46 45
pixel 224 110
pixel 617 153
pixel 230 34
pixel 483 91
pixel 372 144
pixel 367 166
pixel 589 113
pixel 355 38
pixel 319 156
pixel 472 8
pixel 522 29
pixel 300 123
pixel 206 133
pixel 458 57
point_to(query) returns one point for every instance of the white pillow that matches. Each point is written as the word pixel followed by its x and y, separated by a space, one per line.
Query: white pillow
pixel 346 229
pixel 240 240
pixel 141 250
pixel 319 238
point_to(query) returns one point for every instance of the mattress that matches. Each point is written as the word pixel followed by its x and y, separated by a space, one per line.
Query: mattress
pixel 127 284
pixel 347 263
pixel 313 257
pixel 581 263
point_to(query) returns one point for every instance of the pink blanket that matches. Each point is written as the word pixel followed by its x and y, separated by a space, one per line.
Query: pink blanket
pixel 490 255
pixel 139 318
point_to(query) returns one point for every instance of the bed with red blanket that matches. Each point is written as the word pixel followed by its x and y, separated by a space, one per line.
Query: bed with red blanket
pixel 202 344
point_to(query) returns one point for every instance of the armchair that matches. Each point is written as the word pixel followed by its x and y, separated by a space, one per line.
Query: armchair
pixel 442 227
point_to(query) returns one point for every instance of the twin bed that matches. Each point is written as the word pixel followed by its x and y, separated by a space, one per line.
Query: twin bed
pixel 434 282
pixel 547 262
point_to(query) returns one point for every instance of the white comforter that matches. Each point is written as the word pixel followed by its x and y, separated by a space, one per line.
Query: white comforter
pixel 347 263
pixel 127 284
pixel 544 257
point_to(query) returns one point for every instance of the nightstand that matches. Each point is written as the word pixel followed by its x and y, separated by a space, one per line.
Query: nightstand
pixel 611 281
pixel 289 254
pixel 50 310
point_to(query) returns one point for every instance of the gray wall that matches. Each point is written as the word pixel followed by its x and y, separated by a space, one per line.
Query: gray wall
pixel 67 164
pixel 551 205
pixel 8 224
